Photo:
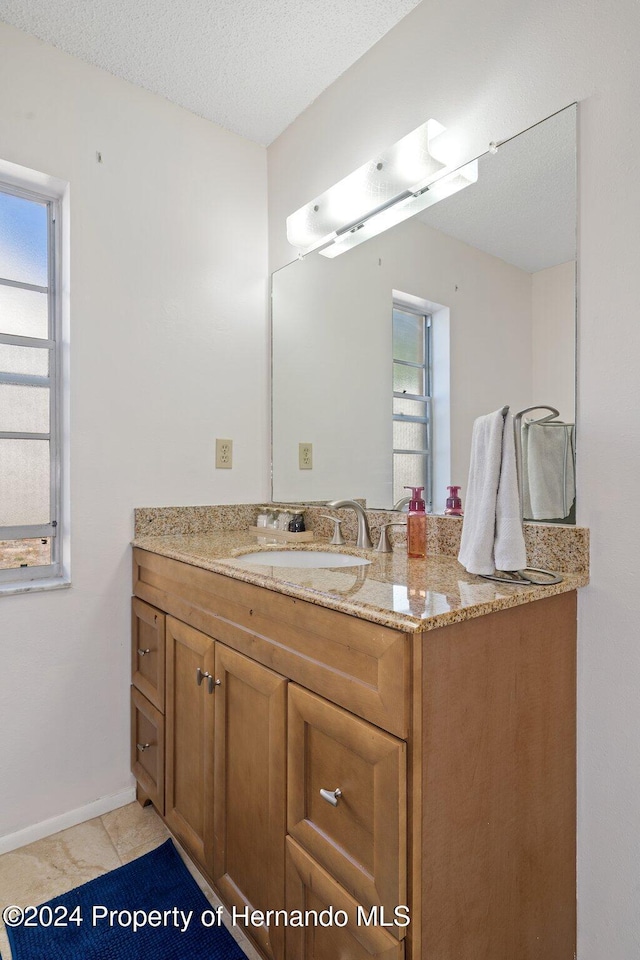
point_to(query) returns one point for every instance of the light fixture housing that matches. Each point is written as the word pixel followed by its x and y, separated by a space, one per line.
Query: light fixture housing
pixel 409 177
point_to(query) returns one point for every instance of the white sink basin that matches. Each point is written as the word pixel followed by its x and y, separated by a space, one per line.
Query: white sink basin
pixel 303 558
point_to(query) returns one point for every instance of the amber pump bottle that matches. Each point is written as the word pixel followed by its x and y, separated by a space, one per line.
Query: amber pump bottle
pixel 416 525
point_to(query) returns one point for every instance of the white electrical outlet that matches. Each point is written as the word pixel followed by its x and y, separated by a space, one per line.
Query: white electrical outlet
pixel 305 456
pixel 224 454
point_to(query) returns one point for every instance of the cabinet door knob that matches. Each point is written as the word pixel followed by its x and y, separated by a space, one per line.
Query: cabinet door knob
pixel 143 653
pixel 143 746
pixel 331 796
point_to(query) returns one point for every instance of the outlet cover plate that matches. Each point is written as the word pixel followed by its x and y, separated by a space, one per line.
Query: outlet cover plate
pixel 224 454
pixel 305 456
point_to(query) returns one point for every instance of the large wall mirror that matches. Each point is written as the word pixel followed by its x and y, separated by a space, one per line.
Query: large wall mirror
pixel 384 356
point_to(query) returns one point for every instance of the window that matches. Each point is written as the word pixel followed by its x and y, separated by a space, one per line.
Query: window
pixel 412 402
pixel 30 396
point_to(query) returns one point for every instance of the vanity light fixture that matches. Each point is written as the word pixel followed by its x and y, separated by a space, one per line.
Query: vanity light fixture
pixel 409 177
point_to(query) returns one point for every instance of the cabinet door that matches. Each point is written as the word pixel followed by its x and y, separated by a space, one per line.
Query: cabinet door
pixel 147 651
pixel 250 778
pixel 189 739
pixel 309 887
pixel 147 748
pixel 347 799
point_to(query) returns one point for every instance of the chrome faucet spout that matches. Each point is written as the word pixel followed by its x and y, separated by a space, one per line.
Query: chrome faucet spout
pixel 364 536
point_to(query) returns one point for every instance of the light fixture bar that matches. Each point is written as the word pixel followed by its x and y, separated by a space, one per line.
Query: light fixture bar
pixel 381 183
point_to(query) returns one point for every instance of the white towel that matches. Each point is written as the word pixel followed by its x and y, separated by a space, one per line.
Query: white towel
pixel 492 536
pixel 549 484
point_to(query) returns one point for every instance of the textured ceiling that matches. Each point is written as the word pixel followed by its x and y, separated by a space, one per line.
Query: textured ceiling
pixel 249 65
pixel 523 207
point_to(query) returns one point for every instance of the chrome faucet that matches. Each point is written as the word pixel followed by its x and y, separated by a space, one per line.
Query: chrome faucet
pixel 401 503
pixel 364 537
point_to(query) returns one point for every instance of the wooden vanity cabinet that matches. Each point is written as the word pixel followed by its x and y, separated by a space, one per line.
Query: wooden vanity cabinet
pixel 446 761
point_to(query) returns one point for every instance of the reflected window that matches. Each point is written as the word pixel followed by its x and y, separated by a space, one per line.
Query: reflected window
pixel 29 388
pixel 412 401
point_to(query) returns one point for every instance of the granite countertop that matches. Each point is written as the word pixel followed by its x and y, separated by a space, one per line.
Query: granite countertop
pixel 407 595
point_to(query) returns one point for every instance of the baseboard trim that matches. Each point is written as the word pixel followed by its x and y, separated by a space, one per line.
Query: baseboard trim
pixel 12 841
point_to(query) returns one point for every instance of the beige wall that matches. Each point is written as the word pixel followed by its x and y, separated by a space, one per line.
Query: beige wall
pixel 553 293
pixel 168 352
pixel 492 69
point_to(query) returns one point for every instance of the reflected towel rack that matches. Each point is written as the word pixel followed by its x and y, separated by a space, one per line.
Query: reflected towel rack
pixel 549 577
pixel 517 435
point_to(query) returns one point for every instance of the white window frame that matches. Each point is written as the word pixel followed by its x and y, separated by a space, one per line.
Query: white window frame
pixel 426 397
pixel 36 187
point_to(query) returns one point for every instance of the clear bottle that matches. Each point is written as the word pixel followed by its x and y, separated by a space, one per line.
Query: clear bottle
pixel 262 522
pixel 283 520
pixel 416 525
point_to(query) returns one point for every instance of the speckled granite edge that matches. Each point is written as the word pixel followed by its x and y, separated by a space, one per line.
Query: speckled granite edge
pixel 516 598
pixel 558 547
pixel 467 596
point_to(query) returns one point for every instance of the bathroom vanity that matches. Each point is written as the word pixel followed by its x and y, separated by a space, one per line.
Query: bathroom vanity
pixel 388 751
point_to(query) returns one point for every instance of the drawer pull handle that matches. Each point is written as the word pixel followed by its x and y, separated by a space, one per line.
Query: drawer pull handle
pixel 143 746
pixel 143 653
pixel 331 796
pixel 211 683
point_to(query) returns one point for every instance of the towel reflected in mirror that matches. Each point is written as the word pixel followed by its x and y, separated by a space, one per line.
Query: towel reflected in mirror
pixel 548 474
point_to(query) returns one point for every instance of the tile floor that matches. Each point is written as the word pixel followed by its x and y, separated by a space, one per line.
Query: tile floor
pixel 49 867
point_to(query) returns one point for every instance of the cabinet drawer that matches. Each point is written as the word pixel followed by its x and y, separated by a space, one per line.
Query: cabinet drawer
pixel 148 651
pixel 147 748
pixel 309 887
pixel 361 840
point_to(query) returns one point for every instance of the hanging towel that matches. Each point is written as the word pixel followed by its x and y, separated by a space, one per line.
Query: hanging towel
pixel 492 536
pixel 549 483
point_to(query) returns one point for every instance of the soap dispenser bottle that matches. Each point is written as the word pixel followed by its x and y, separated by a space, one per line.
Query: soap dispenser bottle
pixel 416 525
pixel 453 506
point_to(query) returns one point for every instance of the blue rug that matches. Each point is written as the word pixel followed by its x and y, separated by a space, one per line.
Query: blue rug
pixel 174 920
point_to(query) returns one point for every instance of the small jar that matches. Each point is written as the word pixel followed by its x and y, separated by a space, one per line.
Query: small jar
pixel 296 524
pixel 284 519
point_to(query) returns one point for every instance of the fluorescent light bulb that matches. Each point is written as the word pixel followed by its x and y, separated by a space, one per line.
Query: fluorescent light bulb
pixel 444 187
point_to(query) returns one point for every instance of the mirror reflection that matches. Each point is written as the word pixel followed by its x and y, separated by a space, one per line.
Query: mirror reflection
pixel 384 356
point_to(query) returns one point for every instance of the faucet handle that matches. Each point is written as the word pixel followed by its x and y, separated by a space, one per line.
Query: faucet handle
pixel 384 546
pixel 338 540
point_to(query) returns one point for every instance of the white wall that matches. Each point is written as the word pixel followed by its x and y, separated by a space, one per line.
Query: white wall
pixel 168 352
pixel 494 68
pixel 553 299
pixel 332 370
